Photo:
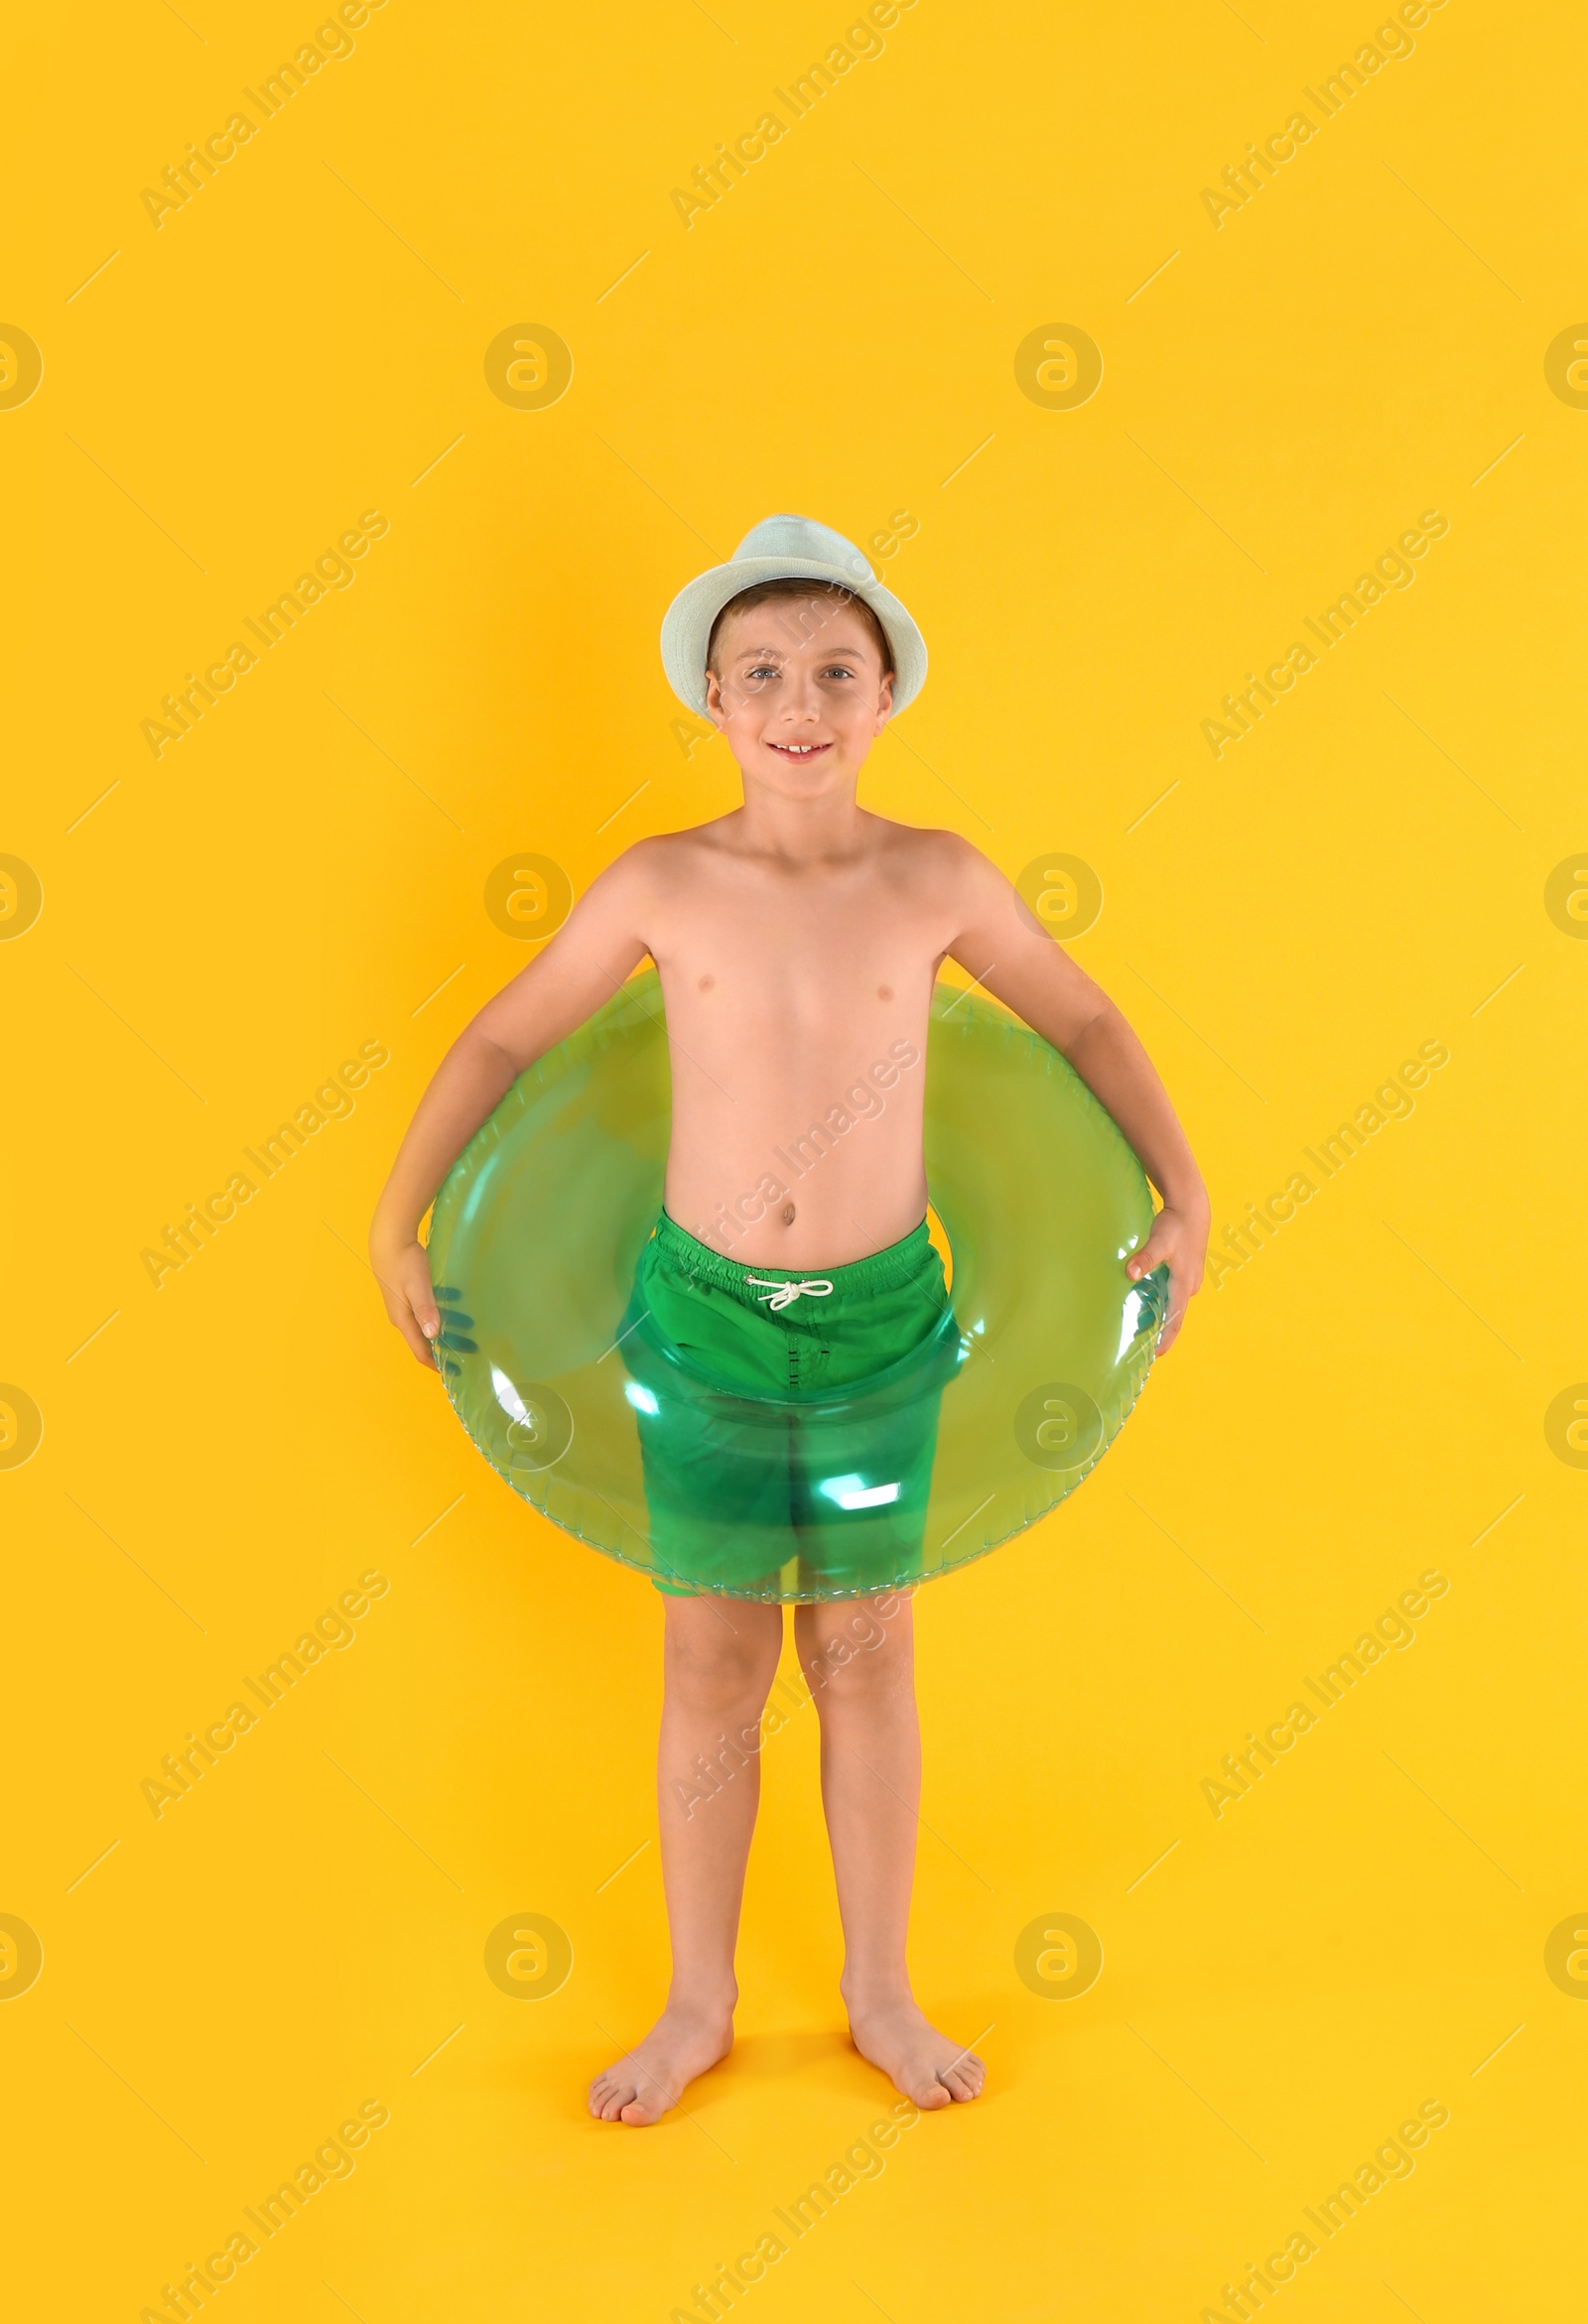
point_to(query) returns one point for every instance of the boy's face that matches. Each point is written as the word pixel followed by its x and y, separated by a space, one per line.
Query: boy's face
pixel 800 693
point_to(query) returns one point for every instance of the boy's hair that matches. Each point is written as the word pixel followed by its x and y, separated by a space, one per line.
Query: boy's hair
pixel 764 592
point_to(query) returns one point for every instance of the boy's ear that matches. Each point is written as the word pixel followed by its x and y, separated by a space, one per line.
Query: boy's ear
pixel 713 699
pixel 884 705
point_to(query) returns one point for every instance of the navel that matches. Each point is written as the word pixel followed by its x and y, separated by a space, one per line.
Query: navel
pixel 788 1213
pixel 885 992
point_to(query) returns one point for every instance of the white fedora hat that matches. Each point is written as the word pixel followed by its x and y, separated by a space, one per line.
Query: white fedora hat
pixel 784 548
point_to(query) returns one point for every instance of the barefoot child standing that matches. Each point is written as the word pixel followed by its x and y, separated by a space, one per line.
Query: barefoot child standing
pixel 797 940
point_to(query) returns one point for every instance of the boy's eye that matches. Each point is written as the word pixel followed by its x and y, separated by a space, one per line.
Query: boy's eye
pixel 836 670
pixel 762 670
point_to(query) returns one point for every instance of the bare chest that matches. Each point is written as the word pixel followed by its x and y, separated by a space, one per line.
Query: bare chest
pixel 794 972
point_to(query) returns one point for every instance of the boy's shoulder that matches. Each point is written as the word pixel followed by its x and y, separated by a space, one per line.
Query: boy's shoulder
pixel 661 852
pixel 922 842
pixel 925 855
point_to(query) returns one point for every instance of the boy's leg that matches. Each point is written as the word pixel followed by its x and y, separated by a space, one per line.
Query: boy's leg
pixel 720 1657
pixel 859 1656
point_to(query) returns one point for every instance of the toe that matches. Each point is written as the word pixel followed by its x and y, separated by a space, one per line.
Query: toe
pixel 638 2114
pixel 931 2094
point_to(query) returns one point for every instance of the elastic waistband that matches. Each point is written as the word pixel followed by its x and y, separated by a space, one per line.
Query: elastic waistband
pixel 882 1271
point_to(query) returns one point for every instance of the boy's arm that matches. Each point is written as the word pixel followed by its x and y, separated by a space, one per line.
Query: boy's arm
pixel 583 966
pixel 1007 949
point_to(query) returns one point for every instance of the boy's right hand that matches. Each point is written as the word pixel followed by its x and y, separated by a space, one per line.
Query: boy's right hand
pixel 402 1269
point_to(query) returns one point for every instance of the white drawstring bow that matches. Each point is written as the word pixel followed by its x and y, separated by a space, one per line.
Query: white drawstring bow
pixel 781 1295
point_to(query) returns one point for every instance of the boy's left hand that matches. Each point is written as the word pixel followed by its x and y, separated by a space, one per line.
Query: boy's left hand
pixel 1179 1240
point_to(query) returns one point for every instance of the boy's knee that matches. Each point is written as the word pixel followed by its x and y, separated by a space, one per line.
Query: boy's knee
pixel 711 1662
pixel 862 1651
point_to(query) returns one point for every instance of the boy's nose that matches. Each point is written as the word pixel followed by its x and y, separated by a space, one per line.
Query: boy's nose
pixel 802 701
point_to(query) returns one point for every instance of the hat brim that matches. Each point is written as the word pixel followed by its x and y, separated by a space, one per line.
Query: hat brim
pixel 687 623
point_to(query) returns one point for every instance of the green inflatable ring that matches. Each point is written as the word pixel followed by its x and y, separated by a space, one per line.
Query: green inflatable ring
pixel 536 1234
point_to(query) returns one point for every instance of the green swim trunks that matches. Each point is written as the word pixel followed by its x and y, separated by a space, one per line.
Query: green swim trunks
pixel 787 1419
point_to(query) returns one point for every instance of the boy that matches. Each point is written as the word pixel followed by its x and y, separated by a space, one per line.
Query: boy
pixel 797 940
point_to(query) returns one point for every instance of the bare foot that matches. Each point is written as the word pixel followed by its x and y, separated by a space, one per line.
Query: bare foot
pixel 922 2063
pixel 682 2043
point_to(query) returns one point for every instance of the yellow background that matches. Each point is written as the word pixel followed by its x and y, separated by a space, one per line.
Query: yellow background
pixel 305 870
